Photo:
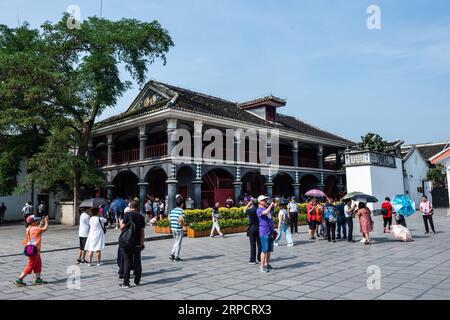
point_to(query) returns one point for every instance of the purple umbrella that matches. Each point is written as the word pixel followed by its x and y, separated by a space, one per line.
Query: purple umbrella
pixel 316 193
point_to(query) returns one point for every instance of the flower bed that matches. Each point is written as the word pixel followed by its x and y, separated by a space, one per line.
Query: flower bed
pixel 198 223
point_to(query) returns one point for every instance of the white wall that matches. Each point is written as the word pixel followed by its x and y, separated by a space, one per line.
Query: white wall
pixel 378 181
pixel 416 169
pixel 16 202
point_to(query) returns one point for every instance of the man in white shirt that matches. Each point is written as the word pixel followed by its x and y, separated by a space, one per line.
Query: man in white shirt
pixel 349 209
pixel 83 232
pixel 427 213
pixel 293 215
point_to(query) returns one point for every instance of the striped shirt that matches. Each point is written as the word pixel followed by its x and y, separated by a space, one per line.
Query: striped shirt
pixel 174 217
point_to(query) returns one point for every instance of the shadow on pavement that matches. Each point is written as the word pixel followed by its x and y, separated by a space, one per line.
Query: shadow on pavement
pixel 64 280
pixel 298 265
pixel 146 274
pixel 204 257
pixel 169 280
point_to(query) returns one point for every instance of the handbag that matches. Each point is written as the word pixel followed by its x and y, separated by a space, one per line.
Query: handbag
pixel 101 225
pixel 273 235
pixel 30 249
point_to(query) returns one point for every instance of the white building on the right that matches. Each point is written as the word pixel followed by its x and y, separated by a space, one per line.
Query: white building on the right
pixel 443 158
pixel 417 159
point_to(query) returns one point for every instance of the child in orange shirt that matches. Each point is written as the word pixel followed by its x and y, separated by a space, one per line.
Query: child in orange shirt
pixel 33 236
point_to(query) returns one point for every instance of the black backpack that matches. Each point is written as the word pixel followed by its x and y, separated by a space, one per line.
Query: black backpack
pixel 126 238
pixel 384 212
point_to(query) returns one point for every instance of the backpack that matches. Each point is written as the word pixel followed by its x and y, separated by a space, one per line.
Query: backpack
pixel 384 211
pixel 126 238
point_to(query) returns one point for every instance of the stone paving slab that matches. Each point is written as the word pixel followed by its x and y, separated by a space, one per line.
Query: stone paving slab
pixel 218 269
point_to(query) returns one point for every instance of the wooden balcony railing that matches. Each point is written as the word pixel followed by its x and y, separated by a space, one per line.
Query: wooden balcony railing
pixel 155 151
pixel 125 156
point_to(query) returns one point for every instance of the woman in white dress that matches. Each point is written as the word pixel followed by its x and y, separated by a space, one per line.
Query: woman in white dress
pixel 96 238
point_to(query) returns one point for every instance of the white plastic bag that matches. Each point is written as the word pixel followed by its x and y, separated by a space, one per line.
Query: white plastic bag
pixel 401 233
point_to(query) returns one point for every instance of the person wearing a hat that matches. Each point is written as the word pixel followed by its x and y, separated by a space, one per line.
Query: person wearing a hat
pixel 283 225
pixel 266 230
pixel 33 235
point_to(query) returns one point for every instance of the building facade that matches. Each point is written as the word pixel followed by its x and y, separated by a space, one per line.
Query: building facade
pixel 158 147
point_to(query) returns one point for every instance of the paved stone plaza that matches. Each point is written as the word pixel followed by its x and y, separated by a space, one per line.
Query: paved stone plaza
pixel 217 268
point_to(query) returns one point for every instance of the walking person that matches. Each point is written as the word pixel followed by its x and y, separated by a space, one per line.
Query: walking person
pixel 156 208
pixel 96 238
pixel 42 210
pixel 341 223
pixel 349 209
pixel 293 215
pixel 2 212
pixel 83 233
pixel 330 215
pixel 27 211
pixel 176 218
pixel 134 221
pixel 253 231
pixel 266 231
pixel 311 215
pixel 427 213
pixel 215 220
pixel 283 225
pixel 386 210
pixel 33 238
pixel 365 221
pixel 321 223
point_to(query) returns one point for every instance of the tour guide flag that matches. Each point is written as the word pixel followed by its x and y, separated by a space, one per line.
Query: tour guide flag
pixel 403 205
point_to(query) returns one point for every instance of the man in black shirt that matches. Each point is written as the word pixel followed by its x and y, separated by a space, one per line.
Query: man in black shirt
pixel 132 254
pixel 253 231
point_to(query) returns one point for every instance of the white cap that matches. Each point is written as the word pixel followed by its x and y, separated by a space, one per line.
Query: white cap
pixel 261 198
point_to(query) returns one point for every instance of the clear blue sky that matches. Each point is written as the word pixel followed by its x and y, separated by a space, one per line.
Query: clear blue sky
pixel 317 54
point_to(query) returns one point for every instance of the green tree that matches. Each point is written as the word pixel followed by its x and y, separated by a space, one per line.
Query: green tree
pixel 57 80
pixel 373 142
pixel 437 175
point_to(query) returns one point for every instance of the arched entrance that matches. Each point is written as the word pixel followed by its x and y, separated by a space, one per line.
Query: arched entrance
pixel 126 183
pixel 185 177
pixel 331 189
pixel 307 183
pixel 157 186
pixel 217 186
pixel 253 184
pixel 283 186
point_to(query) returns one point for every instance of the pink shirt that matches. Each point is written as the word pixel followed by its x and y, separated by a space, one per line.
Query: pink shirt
pixel 425 207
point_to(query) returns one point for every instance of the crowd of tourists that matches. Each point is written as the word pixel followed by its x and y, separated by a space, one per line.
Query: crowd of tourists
pixel 324 220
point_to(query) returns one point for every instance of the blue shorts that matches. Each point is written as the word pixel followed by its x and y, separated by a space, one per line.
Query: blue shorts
pixel 266 244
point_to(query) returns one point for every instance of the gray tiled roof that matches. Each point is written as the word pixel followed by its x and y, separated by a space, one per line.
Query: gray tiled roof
pixel 203 104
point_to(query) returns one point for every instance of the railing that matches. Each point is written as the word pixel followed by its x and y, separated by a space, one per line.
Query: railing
pixel 359 158
pixel 125 156
pixel 157 150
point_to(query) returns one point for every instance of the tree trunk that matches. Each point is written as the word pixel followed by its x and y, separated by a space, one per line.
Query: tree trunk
pixel 76 195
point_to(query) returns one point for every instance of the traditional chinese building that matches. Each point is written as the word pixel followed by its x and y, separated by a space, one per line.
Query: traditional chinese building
pixel 134 149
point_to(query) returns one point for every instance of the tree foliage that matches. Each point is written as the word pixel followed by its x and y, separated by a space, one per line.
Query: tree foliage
pixel 373 142
pixel 437 175
pixel 55 81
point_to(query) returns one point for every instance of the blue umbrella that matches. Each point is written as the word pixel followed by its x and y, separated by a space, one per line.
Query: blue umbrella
pixel 118 205
pixel 403 205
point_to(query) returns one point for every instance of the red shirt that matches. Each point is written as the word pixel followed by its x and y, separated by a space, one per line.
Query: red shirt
pixel 387 205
